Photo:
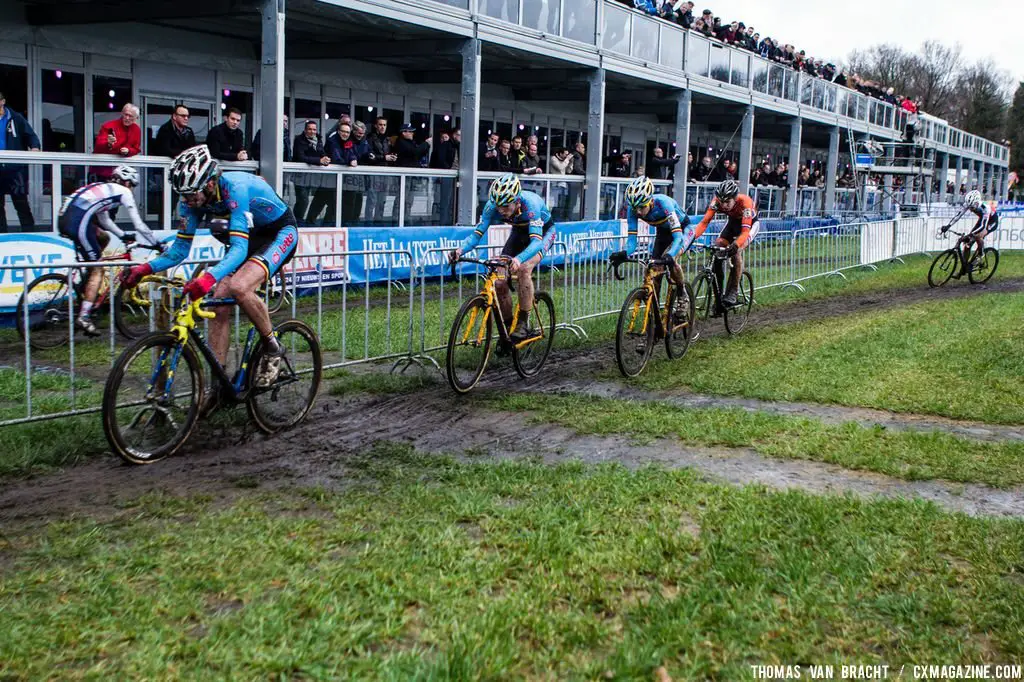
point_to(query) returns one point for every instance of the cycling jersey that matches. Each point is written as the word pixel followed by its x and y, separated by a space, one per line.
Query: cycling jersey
pixel 254 210
pixel 741 227
pixel 667 218
pixel 531 220
pixel 988 217
pixel 94 202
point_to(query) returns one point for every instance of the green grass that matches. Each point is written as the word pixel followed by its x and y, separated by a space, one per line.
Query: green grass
pixel 428 569
pixel 908 455
pixel 41 446
pixel 958 359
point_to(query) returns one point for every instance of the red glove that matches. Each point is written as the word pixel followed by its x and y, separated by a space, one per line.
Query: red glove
pixel 200 286
pixel 133 275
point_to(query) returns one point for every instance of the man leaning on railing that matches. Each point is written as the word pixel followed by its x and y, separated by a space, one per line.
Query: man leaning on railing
pixel 15 135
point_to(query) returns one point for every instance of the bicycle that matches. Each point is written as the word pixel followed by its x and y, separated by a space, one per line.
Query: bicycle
pixel 52 304
pixel 635 335
pixel 707 293
pixel 473 330
pixel 953 263
pixel 150 406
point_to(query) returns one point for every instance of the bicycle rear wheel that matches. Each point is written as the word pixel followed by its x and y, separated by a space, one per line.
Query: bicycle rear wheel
pixel 529 358
pixel 276 291
pixel 703 303
pixel 736 316
pixel 49 317
pixel 984 268
pixel 142 420
pixel 469 344
pixel 943 267
pixel 288 400
pixel 634 333
pixel 680 321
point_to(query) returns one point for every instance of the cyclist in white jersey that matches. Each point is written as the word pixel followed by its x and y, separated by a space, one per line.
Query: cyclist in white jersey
pixel 85 220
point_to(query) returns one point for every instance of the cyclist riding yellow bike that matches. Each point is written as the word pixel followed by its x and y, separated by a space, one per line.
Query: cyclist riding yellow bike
pixel 533 232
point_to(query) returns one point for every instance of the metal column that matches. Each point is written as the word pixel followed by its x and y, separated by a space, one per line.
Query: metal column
pixel 943 177
pixel 832 170
pixel 595 143
pixel 684 101
pixel 272 93
pixel 990 173
pixel 890 160
pixel 958 180
pixel 469 148
pixel 795 131
pixel 746 149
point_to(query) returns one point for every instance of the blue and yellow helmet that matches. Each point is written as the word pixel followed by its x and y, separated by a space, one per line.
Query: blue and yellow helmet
pixel 505 190
pixel 640 192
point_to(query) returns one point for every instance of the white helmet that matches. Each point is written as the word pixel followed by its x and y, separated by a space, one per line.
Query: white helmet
pixel 126 174
pixel 973 199
pixel 191 169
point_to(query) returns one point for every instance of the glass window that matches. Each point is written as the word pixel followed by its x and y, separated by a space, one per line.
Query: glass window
pixel 671 47
pixel 759 75
pixel 63 124
pixel 720 63
pixel 306 109
pixel 740 66
pixel 14 84
pixel 333 112
pixel 616 29
pixel 108 96
pixel 580 22
pixel 697 54
pixel 504 130
pixel 541 15
pixel 506 10
pixel 645 38
pixel 421 122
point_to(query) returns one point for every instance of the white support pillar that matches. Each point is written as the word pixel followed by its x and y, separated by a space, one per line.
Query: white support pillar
pixel 943 178
pixel 272 94
pixel 469 148
pixel 795 133
pixel 890 160
pixel 746 149
pixel 959 180
pixel 684 101
pixel 832 170
pixel 595 145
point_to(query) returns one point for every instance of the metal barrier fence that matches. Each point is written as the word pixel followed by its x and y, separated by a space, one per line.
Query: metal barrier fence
pixel 407 318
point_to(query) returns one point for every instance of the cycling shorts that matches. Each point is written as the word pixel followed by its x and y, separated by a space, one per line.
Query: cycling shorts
pixel 734 228
pixel 275 244
pixel 82 232
pixel 520 239
pixel 662 242
pixel 993 224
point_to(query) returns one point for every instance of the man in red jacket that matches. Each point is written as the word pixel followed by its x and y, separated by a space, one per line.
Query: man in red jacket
pixel 121 136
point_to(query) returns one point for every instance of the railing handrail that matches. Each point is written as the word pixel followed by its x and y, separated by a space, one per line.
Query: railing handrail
pixel 89 159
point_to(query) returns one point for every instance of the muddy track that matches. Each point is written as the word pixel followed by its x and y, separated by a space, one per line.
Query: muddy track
pixel 317 453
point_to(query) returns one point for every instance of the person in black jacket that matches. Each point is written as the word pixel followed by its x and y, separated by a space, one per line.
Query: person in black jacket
pixel 381 154
pixel 15 135
pixel 175 136
pixel 662 168
pixel 313 189
pixel 226 141
pixel 446 156
pixel 286 144
pixel 410 155
pixel 618 165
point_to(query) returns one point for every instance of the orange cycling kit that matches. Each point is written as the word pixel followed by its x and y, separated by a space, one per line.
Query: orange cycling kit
pixel 742 226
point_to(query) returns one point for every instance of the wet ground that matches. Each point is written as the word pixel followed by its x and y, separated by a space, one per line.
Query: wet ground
pixel 226 461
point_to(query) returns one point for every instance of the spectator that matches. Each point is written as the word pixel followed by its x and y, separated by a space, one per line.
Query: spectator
pixel 16 135
pixel 579 160
pixel 286 144
pixel 661 167
pixel 409 154
pixel 506 162
pixel 380 154
pixel 579 167
pixel 731 170
pixel 646 6
pixel 446 155
pixel 341 147
pixel 489 153
pixel 561 162
pixel 175 136
pixel 781 176
pixel 705 172
pixel 910 106
pixel 618 164
pixel 122 135
pixel 312 189
pixel 226 141
pixel 755 178
pixel 518 153
pixel 531 160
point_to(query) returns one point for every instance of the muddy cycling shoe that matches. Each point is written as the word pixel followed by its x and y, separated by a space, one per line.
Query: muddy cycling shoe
pixel 86 325
pixel 523 330
pixel 729 300
pixel 270 364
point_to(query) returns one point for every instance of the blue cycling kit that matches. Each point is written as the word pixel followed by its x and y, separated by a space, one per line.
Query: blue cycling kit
pixel 254 210
pixel 669 219
pixel 533 216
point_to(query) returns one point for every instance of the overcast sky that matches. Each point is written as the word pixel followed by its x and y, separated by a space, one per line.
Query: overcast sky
pixel 830 29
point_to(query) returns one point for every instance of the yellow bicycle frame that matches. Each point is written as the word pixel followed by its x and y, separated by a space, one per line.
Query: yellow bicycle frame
pixel 185 320
pixel 490 294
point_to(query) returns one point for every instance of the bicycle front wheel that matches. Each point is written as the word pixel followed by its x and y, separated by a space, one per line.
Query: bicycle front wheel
pixel 680 321
pixel 288 400
pixel 736 316
pixel 984 268
pixel 529 356
pixel 132 308
pixel 703 303
pixel 49 317
pixel 943 267
pixel 469 344
pixel 634 333
pixel 151 402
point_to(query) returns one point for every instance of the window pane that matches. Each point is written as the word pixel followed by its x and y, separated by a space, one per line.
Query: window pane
pixel 63 111
pixel 580 20
pixel 108 96
pixel 541 15
pixel 720 63
pixel 15 87
pixel 616 29
pixel 243 102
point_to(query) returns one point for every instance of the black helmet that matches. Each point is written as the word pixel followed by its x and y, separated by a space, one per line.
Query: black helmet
pixel 727 189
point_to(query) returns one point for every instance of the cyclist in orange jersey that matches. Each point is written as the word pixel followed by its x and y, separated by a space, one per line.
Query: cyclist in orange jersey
pixel 739 231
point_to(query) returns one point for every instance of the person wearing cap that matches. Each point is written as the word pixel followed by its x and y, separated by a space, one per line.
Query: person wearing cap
pixel 410 155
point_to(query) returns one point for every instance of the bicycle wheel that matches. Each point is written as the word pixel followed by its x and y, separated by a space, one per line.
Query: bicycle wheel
pixel 49 318
pixel 634 333
pixel 986 267
pixel 288 400
pixel 943 268
pixel 276 291
pixel 529 358
pixel 469 344
pixel 703 303
pixel 144 424
pixel 132 309
pixel 680 323
pixel 736 316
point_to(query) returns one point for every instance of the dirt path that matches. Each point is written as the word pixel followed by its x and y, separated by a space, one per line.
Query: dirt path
pixel 225 462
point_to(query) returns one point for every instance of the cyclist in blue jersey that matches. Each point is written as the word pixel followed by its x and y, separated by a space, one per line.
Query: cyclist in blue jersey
pixel 674 234
pixel 262 237
pixel 533 233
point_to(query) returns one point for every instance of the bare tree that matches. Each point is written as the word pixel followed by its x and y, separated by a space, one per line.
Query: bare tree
pixel 981 101
pixel 885 64
pixel 934 79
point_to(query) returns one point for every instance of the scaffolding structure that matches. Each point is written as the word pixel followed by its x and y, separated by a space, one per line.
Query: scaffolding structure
pixel 914 162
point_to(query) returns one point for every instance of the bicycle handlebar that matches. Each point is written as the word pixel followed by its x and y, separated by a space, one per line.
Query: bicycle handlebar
pixel 641 260
pixel 490 263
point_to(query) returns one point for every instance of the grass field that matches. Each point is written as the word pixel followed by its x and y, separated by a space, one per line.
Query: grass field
pixel 430 569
